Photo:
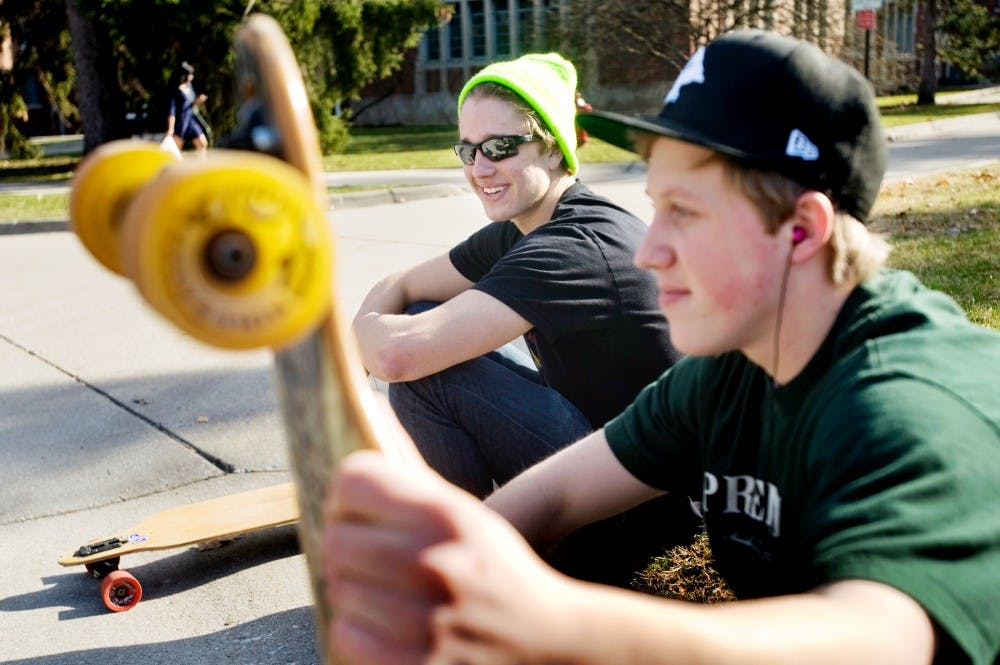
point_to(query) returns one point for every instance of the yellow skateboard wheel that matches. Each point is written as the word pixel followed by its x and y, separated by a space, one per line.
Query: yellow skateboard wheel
pixel 233 249
pixel 103 185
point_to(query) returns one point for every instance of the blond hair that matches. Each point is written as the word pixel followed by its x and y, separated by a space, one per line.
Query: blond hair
pixel 856 253
pixel 534 123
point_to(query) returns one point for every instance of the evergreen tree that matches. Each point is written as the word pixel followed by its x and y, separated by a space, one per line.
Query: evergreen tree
pixel 40 41
pixel 971 38
pixel 126 52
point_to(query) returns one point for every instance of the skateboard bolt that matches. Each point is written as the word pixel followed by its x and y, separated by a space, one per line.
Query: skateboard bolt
pixel 230 256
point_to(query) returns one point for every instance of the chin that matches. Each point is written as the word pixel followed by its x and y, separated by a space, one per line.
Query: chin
pixel 692 342
pixel 496 214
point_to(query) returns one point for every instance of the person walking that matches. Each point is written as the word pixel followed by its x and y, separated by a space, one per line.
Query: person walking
pixel 184 122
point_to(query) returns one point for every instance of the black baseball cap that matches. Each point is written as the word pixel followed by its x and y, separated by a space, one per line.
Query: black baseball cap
pixel 774 103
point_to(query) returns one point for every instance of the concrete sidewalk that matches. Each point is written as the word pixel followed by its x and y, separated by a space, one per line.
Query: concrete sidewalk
pixel 108 414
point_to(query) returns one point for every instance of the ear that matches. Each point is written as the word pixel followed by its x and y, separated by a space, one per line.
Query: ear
pixel 555 158
pixel 809 227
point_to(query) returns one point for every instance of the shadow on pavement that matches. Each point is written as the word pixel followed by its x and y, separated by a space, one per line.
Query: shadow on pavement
pixel 286 637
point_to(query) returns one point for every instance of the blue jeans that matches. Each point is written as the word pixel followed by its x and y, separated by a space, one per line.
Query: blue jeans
pixel 489 418
pixel 486 419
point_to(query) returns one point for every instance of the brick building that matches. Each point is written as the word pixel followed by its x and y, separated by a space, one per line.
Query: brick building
pixel 627 50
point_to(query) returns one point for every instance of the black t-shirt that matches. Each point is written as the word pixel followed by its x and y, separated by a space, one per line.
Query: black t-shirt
pixel 598 336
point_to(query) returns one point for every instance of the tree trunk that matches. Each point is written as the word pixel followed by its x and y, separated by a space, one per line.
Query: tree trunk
pixel 927 50
pixel 99 98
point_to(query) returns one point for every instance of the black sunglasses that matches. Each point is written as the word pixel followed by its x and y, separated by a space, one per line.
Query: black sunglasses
pixel 494 149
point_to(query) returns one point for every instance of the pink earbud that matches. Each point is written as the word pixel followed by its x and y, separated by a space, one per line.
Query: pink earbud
pixel 798 235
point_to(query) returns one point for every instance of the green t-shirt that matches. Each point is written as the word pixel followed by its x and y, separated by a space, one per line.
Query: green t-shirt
pixel 880 461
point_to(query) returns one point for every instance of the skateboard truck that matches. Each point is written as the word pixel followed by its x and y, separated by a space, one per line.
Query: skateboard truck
pixel 100 546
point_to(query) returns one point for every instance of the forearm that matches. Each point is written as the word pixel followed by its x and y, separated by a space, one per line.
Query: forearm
pixel 466 324
pixel 849 622
pixel 536 509
pixel 171 120
pixel 372 323
pixel 547 502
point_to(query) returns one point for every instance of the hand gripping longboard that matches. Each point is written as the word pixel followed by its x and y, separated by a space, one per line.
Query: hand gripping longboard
pixel 240 258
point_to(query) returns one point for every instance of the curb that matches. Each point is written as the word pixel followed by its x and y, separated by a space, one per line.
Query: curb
pixel 361 199
pixel 394 195
pixel 19 227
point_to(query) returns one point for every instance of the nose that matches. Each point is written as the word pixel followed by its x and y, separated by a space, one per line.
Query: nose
pixel 655 252
pixel 481 165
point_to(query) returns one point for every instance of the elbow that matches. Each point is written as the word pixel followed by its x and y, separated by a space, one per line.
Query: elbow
pixel 394 362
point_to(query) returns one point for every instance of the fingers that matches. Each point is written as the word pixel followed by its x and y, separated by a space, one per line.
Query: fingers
pixel 371 623
pixel 414 565
pixel 380 557
pixel 356 643
pixel 380 516
pixel 371 487
pixel 458 647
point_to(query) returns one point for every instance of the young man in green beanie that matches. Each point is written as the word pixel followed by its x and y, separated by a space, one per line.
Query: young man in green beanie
pixel 839 422
pixel 555 267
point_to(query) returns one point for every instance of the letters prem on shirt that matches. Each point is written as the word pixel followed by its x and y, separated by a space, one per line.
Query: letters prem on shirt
pixel 757 499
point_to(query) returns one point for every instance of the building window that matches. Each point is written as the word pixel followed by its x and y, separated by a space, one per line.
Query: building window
pixel 432 45
pixel 455 51
pixel 501 29
pixel 488 30
pixel 477 27
pixel 900 27
pixel 527 27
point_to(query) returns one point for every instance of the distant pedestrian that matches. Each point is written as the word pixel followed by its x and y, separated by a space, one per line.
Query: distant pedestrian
pixel 184 122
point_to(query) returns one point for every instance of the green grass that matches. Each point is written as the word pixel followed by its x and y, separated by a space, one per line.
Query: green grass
pixel 910 98
pixel 390 148
pixel 42 169
pixel 15 207
pixel 908 115
pixel 946 229
pixel 964 266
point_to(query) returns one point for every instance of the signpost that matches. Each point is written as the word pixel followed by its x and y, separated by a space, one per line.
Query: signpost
pixel 865 19
pixel 864 16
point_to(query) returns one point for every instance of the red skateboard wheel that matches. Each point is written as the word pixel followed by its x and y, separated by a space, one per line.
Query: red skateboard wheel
pixel 120 591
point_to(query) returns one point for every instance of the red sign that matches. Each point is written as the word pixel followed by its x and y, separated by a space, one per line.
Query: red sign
pixel 865 19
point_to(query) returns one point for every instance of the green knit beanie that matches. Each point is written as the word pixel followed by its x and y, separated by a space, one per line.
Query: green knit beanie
pixel 548 83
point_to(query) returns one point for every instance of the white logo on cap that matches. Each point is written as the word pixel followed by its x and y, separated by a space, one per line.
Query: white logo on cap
pixel 693 72
pixel 799 145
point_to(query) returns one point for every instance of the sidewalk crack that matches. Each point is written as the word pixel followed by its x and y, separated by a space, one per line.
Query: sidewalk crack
pixel 217 462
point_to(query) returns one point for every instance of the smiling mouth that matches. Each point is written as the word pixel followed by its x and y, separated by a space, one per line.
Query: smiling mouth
pixel 492 190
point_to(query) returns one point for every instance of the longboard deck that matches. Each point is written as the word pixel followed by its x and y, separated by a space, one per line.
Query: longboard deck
pixel 197 262
pixel 223 517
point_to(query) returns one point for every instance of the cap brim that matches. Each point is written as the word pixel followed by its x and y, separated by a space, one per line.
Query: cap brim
pixel 624 131
pixel 618 129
